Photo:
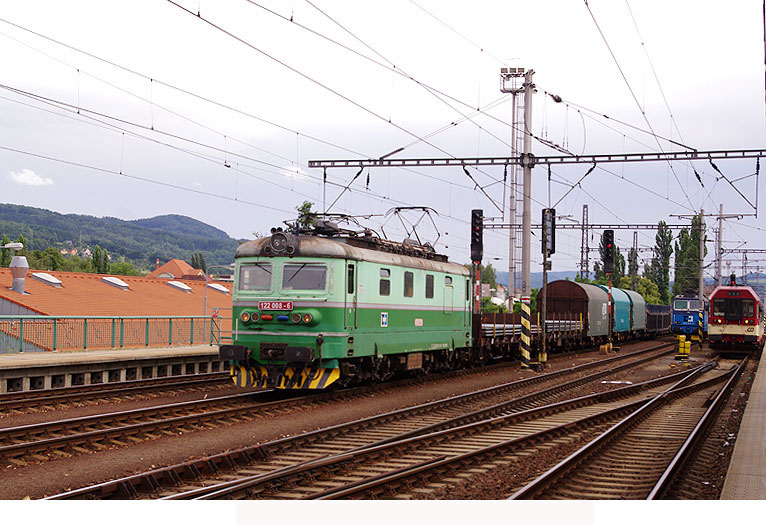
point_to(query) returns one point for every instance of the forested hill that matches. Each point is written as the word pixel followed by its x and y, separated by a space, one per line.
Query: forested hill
pixel 140 241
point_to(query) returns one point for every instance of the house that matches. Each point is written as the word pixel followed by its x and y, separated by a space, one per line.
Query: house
pixel 176 269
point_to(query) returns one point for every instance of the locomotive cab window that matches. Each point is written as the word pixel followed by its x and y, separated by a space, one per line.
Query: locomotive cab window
pixel 429 286
pixel 255 277
pixel 304 276
pixel 409 284
pixel 748 308
pixel 719 307
pixel 681 304
pixel 385 281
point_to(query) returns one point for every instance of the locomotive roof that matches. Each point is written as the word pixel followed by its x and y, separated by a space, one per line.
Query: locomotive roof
pixel 358 249
pixel 727 287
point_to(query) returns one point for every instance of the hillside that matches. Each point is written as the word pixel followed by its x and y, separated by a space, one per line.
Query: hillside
pixel 140 241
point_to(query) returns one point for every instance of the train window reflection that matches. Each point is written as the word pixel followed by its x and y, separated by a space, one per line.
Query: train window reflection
pixel 719 307
pixel 304 276
pixel 747 308
pixel 429 286
pixel 255 277
pixel 679 304
pixel 385 282
pixel 409 284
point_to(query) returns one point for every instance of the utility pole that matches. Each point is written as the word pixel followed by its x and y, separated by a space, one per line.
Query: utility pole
pixel 634 269
pixel 584 262
pixel 718 246
pixel 701 294
pixel 527 163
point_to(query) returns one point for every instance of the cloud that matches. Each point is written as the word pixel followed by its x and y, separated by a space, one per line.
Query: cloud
pixel 29 178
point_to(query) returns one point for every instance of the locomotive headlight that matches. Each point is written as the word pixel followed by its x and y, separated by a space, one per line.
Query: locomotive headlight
pixel 307 318
pixel 255 317
pixel 295 317
pixel 245 316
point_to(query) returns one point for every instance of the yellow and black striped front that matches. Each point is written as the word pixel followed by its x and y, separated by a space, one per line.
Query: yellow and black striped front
pixel 262 377
pixel 526 335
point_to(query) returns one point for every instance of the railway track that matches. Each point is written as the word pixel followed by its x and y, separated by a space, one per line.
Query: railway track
pixel 12 403
pixel 456 411
pixel 639 457
pixel 392 469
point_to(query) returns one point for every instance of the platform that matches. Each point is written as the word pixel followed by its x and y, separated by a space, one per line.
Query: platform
pixel 40 370
pixel 746 478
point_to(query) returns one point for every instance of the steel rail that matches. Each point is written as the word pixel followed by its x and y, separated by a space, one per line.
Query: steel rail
pixel 681 459
pixel 590 450
pixel 124 486
pixel 355 489
pixel 229 488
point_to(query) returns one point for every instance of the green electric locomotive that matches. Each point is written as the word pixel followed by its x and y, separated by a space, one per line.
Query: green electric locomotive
pixel 315 307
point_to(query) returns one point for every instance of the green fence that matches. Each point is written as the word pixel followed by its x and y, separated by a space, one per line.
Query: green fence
pixel 30 333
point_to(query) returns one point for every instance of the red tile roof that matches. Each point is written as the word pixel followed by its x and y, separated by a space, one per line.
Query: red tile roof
pixel 86 294
pixel 177 268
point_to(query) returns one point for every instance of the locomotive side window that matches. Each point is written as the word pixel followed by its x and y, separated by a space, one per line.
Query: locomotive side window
pixel 409 284
pixel 255 277
pixel 304 276
pixel 448 280
pixel 385 281
pixel 350 284
pixel 429 286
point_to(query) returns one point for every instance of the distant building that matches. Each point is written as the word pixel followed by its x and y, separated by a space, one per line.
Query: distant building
pixel 176 269
pixel 89 294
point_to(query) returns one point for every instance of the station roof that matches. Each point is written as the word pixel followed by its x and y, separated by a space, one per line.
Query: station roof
pixel 89 294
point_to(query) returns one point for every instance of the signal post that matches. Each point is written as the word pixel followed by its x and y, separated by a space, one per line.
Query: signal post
pixel 608 270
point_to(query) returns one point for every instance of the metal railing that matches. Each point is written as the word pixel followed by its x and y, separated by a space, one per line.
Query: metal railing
pixel 32 333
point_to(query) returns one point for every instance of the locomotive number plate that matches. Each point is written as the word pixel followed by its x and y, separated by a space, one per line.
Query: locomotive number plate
pixel 275 305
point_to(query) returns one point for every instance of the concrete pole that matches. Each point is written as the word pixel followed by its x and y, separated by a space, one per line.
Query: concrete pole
pixel 702 257
pixel 512 290
pixel 718 246
pixel 526 237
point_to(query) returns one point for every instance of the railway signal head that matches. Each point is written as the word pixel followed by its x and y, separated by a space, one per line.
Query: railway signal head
pixel 733 280
pixel 477 235
pixel 608 251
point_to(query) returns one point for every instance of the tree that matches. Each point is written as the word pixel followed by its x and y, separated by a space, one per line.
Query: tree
pixel 5 253
pixel 659 271
pixel 123 268
pixel 23 241
pixel 198 261
pixel 96 259
pixel 104 261
pixel 488 275
pixel 306 217
pixel 646 288
pixel 687 263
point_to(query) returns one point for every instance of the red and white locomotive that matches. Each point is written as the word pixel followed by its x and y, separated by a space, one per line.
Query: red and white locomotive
pixel 736 318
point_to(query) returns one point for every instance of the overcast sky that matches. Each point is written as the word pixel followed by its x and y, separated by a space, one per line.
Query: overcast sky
pixel 216 116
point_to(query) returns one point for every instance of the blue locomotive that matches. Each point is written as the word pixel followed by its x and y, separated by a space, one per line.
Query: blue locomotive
pixel 689 314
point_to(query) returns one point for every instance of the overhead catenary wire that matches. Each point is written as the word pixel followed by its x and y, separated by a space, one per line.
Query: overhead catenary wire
pixel 635 99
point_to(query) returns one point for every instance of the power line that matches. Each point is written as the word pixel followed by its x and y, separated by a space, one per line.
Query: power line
pixel 635 99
